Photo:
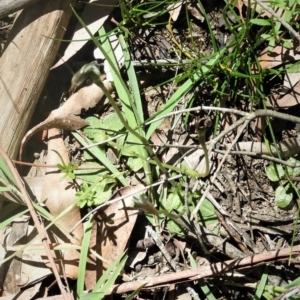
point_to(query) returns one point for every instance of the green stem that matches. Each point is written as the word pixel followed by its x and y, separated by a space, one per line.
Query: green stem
pixel 91 71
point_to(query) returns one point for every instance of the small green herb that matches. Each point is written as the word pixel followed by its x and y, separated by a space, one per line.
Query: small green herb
pixel 277 173
pixel 68 169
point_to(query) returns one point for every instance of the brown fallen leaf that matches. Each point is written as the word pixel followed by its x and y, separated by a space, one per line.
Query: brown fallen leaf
pixel 110 233
pixel 59 195
pixel 278 56
pixel 29 293
pixel 289 99
pixel 67 116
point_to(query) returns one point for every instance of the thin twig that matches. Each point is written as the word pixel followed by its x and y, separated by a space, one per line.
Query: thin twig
pixel 214 269
pixel 284 23
pixel 123 197
pixel 39 226
pixel 195 211
pixel 53 166
pixel 258 155
pixel 162 248
pixel 198 108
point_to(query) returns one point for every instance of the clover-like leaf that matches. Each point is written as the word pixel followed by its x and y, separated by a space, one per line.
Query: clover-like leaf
pixel 282 197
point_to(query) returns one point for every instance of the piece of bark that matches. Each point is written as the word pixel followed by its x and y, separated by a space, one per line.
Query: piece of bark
pixel 10 6
pixel 25 64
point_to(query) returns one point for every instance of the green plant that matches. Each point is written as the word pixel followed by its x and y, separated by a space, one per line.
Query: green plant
pixel 106 280
pixel 68 169
pixel 172 207
pixel 278 173
pixel 97 190
pixel 204 287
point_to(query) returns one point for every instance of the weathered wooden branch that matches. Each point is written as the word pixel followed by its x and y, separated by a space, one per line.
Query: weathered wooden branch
pixel 25 65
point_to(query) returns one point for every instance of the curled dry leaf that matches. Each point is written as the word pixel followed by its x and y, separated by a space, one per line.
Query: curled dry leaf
pixel 59 195
pixel 110 233
pixel 66 117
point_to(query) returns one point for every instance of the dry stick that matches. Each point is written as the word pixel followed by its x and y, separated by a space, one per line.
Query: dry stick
pixel 195 211
pixel 39 226
pixel 258 155
pixel 199 108
pixel 232 233
pixel 206 271
pixel 285 24
pixel 249 117
pixel 225 132
pixel 53 166
pixel 162 248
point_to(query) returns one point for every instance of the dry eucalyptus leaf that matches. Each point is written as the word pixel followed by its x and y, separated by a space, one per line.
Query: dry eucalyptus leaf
pixel 59 195
pixel 111 232
pixel 278 56
pixel 66 116
pixel 289 99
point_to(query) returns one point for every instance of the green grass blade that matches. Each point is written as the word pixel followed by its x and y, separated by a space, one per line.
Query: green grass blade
pixel 295 282
pixel 262 283
pixel 92 296
pixel 124 95
pixel 100 155
pixel 205 289
pixel 6 214
pixel 120 84
pixel 83 256
pixel 109 276
pixel 6 172
pixel 135 293
pixel 187 86
pixel 133 82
